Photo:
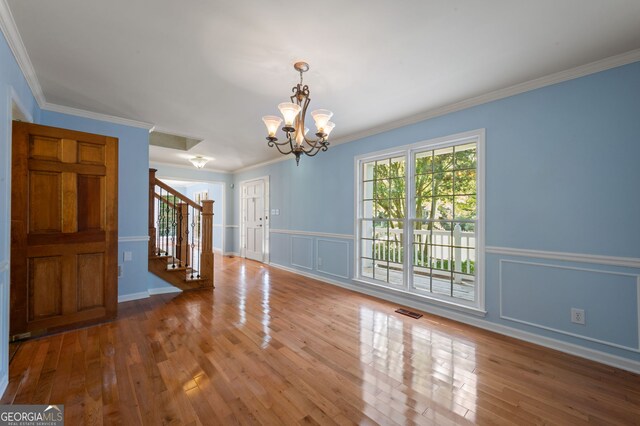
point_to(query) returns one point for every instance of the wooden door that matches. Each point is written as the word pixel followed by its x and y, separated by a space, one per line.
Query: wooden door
pixel 253 204
pixel 64 204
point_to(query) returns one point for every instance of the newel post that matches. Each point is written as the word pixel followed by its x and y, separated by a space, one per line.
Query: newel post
pixel 152 212
pixel 206 257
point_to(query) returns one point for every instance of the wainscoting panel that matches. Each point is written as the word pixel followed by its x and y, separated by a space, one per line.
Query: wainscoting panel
pixel 333 257
pixel 280 249
pixel 542 295
pixel 302 252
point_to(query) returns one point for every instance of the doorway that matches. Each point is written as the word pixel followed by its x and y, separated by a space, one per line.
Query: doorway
pixel 254 219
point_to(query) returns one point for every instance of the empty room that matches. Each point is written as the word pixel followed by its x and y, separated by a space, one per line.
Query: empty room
pixel 356 212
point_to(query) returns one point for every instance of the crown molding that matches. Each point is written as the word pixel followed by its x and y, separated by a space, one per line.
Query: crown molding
pixel 95 116
pixel 10 31
pixel 184 166
pixel 548 80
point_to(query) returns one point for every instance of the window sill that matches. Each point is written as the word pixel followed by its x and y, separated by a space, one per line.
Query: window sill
pixel 472 310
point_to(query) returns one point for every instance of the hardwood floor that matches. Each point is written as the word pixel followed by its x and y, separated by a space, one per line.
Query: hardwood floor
pixel 270 347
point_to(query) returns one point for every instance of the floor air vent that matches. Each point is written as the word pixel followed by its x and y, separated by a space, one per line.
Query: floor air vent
pixel 413 315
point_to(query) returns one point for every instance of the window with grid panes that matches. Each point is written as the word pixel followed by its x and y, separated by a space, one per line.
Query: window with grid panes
pixel 444 237
pixel 418 219
pixel 383 218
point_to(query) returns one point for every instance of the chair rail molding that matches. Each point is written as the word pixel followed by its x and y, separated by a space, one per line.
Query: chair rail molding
pixel 629 262
pixel 311 233
pixel 134 239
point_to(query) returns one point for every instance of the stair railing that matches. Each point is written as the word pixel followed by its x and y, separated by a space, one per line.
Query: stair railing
pixel 180 229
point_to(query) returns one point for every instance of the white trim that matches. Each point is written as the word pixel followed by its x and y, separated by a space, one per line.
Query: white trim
pixel 548 80
pixel 218 225
pixel 148 293
pixel 318 240
pixel 217 251
pixel 133 296
pixel 291 251
pixel 205 169
pixel 569 348
pixel 231 253
pixel 409 151
pixel 630 262
pixel 312 233
pixel 134 239
pixel 163 290
pixel 4 382
pixel 266 198
pixel 47 106
pixel 4 266
pixel 556 330
pixel 14 40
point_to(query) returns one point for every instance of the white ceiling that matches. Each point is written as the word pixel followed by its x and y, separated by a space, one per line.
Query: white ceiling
pixel 212 69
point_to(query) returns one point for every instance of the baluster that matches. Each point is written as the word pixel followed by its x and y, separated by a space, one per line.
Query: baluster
pixel 173 233
pixel 457 258
pixel 193 234
pixel 159 231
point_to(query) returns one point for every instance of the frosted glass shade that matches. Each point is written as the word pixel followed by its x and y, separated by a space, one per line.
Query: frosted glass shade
pixel 329 127
pixel 289 110
pixel 321 117
pixel 272 122
pixel 199 161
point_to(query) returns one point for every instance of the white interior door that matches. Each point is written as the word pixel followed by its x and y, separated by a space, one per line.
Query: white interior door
pixel 254 220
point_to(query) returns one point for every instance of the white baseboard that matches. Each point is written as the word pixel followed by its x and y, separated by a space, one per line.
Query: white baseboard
pixel 232 253
pixel 145 294
pixel 133 296
pixel 163 290
pixel 4 382
pixel 569 348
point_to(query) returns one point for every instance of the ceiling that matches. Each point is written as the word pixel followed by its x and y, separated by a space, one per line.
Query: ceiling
pixel 211 69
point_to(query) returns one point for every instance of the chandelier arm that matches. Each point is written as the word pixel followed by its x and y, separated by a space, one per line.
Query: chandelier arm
pixel 281 151
pixel 319 146
pixel 274 143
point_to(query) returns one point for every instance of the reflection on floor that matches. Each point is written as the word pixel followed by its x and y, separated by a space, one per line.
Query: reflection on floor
pixel 273 348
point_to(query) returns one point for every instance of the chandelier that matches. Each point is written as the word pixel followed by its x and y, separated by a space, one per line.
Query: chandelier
pixel 199 161
pixel 294 114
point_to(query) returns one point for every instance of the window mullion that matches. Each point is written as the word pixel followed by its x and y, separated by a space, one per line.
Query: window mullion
pixel 408 222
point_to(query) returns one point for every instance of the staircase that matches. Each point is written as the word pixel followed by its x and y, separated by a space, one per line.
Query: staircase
pixel 180 237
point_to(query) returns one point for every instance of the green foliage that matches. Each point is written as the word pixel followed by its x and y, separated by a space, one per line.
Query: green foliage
pixel 445 182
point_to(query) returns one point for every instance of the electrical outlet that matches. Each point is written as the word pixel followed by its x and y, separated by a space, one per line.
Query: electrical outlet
pixel 319 261
pixel 577 316
pixel 128 256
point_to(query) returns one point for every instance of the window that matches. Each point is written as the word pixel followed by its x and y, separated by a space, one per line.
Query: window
pixel 419 219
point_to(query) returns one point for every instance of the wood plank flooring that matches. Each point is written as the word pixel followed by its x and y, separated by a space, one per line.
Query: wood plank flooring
pixel 273 348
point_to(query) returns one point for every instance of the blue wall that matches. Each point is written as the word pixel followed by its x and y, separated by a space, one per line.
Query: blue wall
pixel 562 175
